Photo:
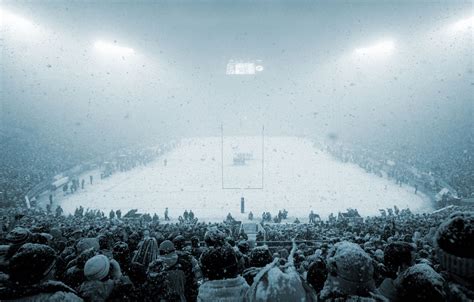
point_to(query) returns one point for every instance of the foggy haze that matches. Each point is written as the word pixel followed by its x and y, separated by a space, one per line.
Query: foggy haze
pixel 237 150
pixel 320 78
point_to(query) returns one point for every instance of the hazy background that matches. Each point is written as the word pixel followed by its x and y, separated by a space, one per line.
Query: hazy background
pixel 417 97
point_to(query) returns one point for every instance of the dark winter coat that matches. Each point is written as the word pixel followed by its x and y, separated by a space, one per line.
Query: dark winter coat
pixel 47 291
pixel 185 264
pixel 96 290
pixel 175 283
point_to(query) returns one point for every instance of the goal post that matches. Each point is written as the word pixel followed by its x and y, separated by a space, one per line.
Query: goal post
pixel 241 170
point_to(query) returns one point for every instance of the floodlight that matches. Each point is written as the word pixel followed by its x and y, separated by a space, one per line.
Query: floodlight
pixel 113 48
pixel 383 47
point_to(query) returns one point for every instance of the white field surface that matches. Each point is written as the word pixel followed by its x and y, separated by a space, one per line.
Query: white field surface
pixel 297 177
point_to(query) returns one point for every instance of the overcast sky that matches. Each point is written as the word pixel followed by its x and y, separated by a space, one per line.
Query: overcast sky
pixel 368 71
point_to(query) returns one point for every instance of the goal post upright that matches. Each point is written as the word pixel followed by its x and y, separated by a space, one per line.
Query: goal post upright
pixel 222 154
pixel 263 153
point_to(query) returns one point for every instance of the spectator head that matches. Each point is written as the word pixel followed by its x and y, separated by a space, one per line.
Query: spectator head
pixel 56 233
pixel 195 241
pixel 421 283
pixel 455 244
pixel 214 237
pixel 121 252
pixel 283 253
pixel 179 242
pixel 219 263
pixel 87 243
pixel 317 274
pixel 168 253
pixel 350 270
pixel 379 255
pixel 260 256
pixel 398 256
pixel 273 284
pixel 76 234
pixel 243 246
pixel 97 268
pixel 103 241
pixel 32 263
pixel 82 258
pixel 19 236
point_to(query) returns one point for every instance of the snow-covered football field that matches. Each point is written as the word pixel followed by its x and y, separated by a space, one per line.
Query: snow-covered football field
pixel 296 176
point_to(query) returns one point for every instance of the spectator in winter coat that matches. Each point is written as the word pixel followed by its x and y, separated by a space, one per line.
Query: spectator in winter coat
pixel 220 268
pixel 421 283
pixel 350 273
pixel 398 256
pixel 275 283
pixel 178 271
pixel 16 238
pixel 317 274
pixel 259 258
pixel 101 275
pixel 31 277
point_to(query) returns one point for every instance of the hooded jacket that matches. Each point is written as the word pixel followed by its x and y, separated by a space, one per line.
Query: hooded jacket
pixel 226 290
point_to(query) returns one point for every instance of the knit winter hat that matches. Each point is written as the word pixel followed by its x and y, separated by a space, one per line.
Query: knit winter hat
pixel 18 236
pixel 260 256
pixel 421 283
pixel 166 247
pixel 31 263
pixel 351 268
pixel 168 253
pixel 219 263
pixel 455 244
pixel 97 267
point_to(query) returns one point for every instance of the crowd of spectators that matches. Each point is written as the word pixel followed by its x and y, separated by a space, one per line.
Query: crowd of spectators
pixel 28 160
pixel 431 174
pixel 96 257
pixel 91 256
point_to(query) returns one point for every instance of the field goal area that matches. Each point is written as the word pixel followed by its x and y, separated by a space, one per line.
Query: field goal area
pixel 242 161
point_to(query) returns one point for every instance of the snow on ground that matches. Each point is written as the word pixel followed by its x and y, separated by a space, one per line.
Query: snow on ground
pixel 296 176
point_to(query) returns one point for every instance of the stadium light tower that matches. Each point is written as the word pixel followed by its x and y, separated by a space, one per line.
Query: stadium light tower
pixel 381 48
pixel 463 25
pixel 16 24
pixel 113 48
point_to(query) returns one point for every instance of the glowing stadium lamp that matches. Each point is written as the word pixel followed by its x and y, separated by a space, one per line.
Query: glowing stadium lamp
pixel 16 24
pixel 384 47
pixel 464 24
pixel 113 49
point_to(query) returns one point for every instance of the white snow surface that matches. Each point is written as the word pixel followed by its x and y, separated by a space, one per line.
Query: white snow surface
pixel 297 177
